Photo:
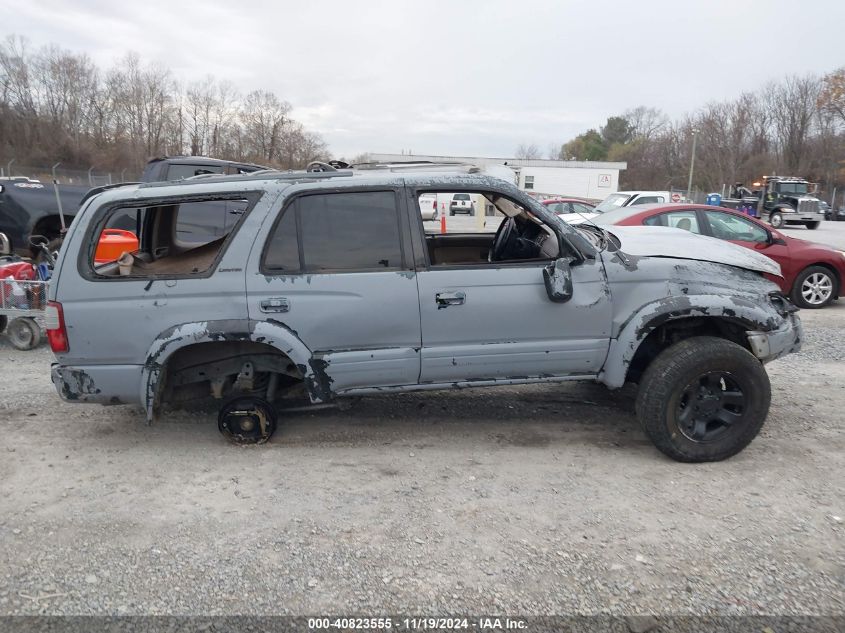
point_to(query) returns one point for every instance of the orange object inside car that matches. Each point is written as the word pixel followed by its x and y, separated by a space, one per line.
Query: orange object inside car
pixel 113 243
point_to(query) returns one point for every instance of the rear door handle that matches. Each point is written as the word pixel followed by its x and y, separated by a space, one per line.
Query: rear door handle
pixel 445 299
pixel 276 304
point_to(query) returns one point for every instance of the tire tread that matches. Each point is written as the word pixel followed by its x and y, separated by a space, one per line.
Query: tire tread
pixel 660 379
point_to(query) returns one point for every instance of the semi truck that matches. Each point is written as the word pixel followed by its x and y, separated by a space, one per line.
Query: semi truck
pixel 778 200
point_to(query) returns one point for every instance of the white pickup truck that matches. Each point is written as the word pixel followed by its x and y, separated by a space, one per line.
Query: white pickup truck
pixel 625 199
pixel 631 198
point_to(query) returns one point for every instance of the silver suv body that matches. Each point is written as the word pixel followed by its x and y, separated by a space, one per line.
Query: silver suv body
pixel 329 282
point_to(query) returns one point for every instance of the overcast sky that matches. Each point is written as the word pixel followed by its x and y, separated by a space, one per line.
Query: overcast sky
pixel 466 77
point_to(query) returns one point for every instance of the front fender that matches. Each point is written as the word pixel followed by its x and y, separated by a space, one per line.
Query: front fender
pixel 753 315
pixel 270 333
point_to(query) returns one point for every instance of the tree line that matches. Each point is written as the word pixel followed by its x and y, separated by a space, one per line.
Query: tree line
pixel 795 127
pixel 57 105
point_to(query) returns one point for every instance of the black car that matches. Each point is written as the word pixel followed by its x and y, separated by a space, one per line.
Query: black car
pixel 824 207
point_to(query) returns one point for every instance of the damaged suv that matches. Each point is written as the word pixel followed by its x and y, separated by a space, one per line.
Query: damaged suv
pixel 327 283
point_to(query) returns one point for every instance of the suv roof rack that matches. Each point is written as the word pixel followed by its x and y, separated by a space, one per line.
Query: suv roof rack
pixel 263 174
pixel 418 165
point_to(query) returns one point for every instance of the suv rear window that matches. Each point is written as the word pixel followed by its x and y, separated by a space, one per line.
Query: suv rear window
pixel 179 172
pixel 338 231
pixel 171 238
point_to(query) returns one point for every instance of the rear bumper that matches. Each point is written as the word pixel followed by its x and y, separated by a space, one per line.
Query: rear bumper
pixel 767 346
pixel 105 384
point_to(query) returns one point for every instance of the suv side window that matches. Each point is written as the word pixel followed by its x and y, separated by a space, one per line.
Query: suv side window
pixel 337 231
pixel 282 252
pixel 181 171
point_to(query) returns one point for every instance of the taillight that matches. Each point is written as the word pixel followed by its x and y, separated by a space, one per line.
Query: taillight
pixel 54 322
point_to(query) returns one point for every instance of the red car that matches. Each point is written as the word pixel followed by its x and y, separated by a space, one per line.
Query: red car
pixel 812 273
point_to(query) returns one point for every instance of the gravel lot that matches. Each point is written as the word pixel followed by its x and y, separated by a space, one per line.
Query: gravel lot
pixel 537 499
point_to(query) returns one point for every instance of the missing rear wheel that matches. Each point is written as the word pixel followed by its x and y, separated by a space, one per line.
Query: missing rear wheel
pixel 247 420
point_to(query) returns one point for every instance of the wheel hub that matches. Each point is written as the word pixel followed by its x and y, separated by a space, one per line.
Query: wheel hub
pixel 247 420
pixel 709 406
pixel 817 288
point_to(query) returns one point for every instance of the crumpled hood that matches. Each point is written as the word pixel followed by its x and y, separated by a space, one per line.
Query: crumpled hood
pixel 662 241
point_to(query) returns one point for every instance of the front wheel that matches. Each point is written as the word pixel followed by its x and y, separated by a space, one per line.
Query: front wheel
pixel 815 287
pixel 703 399
pixel 812 225
pixel 776 220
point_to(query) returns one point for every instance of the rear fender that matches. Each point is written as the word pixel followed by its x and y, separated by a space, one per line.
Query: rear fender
pixel 275 334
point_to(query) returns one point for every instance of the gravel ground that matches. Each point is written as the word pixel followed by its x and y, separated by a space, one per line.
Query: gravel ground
pixel 531 500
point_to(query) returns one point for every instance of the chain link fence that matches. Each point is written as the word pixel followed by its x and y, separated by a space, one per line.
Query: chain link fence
pixel 91 177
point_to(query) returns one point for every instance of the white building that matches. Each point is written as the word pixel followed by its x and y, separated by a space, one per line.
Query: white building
pixel 580 179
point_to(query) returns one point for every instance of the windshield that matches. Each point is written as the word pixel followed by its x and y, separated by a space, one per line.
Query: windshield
pixel 792 187
pixel 613 201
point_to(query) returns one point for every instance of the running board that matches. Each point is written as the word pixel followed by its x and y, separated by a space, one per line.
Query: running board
pixel 463 384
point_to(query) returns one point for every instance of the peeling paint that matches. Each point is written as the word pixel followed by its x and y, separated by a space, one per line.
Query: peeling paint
pixel 73 384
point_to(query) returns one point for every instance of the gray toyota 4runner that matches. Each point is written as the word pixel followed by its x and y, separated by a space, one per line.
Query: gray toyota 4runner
pixel 327 284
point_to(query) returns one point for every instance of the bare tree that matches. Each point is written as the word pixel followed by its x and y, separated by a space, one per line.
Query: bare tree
pixel 792 105
pixel 528 151
pixel 55 104
pixel 646 123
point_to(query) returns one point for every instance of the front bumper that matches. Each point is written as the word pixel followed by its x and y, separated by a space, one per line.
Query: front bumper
pixel 803 217
pixel 767 346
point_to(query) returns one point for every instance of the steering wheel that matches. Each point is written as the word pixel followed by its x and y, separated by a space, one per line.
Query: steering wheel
pixel 503 236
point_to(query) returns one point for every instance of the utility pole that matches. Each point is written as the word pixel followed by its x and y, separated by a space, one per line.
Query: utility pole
pixel 691 166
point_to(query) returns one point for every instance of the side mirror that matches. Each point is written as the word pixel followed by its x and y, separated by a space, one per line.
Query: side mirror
pixel 557 277
pixel 773 240
pixel 5 245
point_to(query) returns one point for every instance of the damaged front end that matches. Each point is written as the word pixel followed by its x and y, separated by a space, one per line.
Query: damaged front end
pixel 659 300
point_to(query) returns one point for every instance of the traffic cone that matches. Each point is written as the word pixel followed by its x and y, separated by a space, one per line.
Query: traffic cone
pixel 442 217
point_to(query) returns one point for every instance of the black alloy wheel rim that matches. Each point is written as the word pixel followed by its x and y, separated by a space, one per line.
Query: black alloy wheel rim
pixel 710 406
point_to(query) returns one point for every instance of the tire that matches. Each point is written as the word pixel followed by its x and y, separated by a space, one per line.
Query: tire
pixel 3 322
pixel 703 373
pixel 24 333
pixel 812 225
pixel 776 220
pixel 815 287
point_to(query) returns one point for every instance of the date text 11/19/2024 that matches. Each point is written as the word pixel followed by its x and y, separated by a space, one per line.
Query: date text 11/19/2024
pixel 419 623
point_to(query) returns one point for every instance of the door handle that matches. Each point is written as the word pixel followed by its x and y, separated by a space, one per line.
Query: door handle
pixel 276 304
pixel 445 299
